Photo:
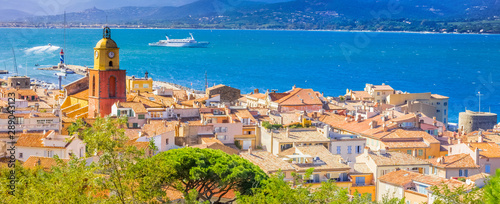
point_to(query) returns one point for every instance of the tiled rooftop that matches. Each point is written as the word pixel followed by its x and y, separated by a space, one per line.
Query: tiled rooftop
pixel 266 161
pixel 454 161
pixel 44 162
pixel 394 159
pixel 329 161
pixel 300 135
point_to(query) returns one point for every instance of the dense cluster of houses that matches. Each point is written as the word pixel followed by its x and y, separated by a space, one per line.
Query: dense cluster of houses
pixel 378 141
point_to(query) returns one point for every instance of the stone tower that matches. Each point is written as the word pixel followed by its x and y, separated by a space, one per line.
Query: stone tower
pixel 107 83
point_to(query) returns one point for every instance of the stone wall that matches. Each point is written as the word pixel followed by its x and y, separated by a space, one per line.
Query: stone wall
pixel 472 121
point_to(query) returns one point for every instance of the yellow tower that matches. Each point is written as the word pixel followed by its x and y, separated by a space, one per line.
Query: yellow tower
pixel 106 80
pixel 106 55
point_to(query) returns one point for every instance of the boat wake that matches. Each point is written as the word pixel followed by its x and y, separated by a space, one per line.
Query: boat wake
pixel 42 49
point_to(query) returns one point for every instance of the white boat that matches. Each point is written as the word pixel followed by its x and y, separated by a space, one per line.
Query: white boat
pixel 186 42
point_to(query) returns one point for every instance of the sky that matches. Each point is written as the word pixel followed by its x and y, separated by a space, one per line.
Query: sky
pixel 53 7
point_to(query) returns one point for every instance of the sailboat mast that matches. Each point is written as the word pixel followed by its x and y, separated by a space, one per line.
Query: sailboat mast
pixel 64 28
pixel 15 63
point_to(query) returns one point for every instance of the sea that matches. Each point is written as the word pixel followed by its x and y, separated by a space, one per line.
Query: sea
pixel 454 65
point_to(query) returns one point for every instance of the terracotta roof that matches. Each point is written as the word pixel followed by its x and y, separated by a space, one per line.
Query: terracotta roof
pixel 395 159
pixel 150 100
pixel 82 95
pixel 206 140
pixel 28 115
pixel 136 106
pixel 361 95
pixel 44 162
pixel 23 92
pixel 478 176
pixel 300 135
pixel 267 161
pixel 487 137
pixel 454 161
pixel 382 87
pixel 277 96
pixel 157 127
pixel 330 161
pixel 437 96
pixel 361 168
pixel 215 87
pixel 437 181
pixel 486 149
pixel 132 133
pixel 139 145
pixel 257 96
pixel 298 97
pixel 33 140
pixel 217 145
pixel 399 178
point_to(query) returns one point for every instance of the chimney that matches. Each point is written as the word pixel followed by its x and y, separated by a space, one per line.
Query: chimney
pixel 476 156
pixel 480 138
pixel 441 160
pixel 384 127
pixel 287 132
pixel 382 151
pixel 459 141
pixel 256 91
pixel 449 140
pixel 250 150
pixel 146 75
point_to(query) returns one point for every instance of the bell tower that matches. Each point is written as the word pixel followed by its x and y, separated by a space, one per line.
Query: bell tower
pixel 107 83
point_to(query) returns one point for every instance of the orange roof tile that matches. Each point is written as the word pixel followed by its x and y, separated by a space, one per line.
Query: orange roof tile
pixel 157 127
pixel 395 159
pixel 136 106
pixel 44 162
pixel 298 97
pixel 82 95
pixel 33 140
pixel 486 149
pixel 217 145
pixel 399 178
pixel 266 161
pixel 454 161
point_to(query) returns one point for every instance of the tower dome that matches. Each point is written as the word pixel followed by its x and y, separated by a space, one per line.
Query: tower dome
pixel 106 41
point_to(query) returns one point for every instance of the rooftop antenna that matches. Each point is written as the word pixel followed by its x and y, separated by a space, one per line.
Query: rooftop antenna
pixel 26 67
pixel 15 63
pixel 479 94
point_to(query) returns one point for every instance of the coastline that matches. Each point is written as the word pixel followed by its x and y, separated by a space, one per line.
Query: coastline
pixel 317 30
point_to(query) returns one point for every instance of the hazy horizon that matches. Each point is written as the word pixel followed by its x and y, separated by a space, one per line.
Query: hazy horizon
pixel 55 7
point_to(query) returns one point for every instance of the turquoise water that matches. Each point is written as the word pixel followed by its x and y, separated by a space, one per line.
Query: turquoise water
pixel 453 65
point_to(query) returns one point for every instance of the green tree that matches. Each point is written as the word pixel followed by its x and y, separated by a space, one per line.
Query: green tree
pixel 492 189
pixel 459 195
pixel 210 172
pixel 118 163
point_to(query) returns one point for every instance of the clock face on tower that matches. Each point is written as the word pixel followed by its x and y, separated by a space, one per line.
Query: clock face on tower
pixel 111 54
pixel 96 53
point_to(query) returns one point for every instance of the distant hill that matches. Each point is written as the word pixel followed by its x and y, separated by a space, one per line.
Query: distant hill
pixel 11 15
pixel 430 15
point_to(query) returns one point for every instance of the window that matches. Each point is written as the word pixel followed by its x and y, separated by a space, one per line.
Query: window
pixel 487 168
pixel 140 116
pixel 438 111
pixel 93 85
pixel 19 120
pixel 420 152
pixel 444 111
pixel 166 141
pixel 444 120
pixel 460 172
pixel 221 137
pixel 136 86
pixel 408 152
pixel 466 173
pixel 349 149
pixel 135 125
pixel 110 63
pixel 360 180
pixel 358 149
pixel 378 93
pixel 20 155
pixel 145 86
pixel 338 149
pixel 445 103
pixel 438 103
